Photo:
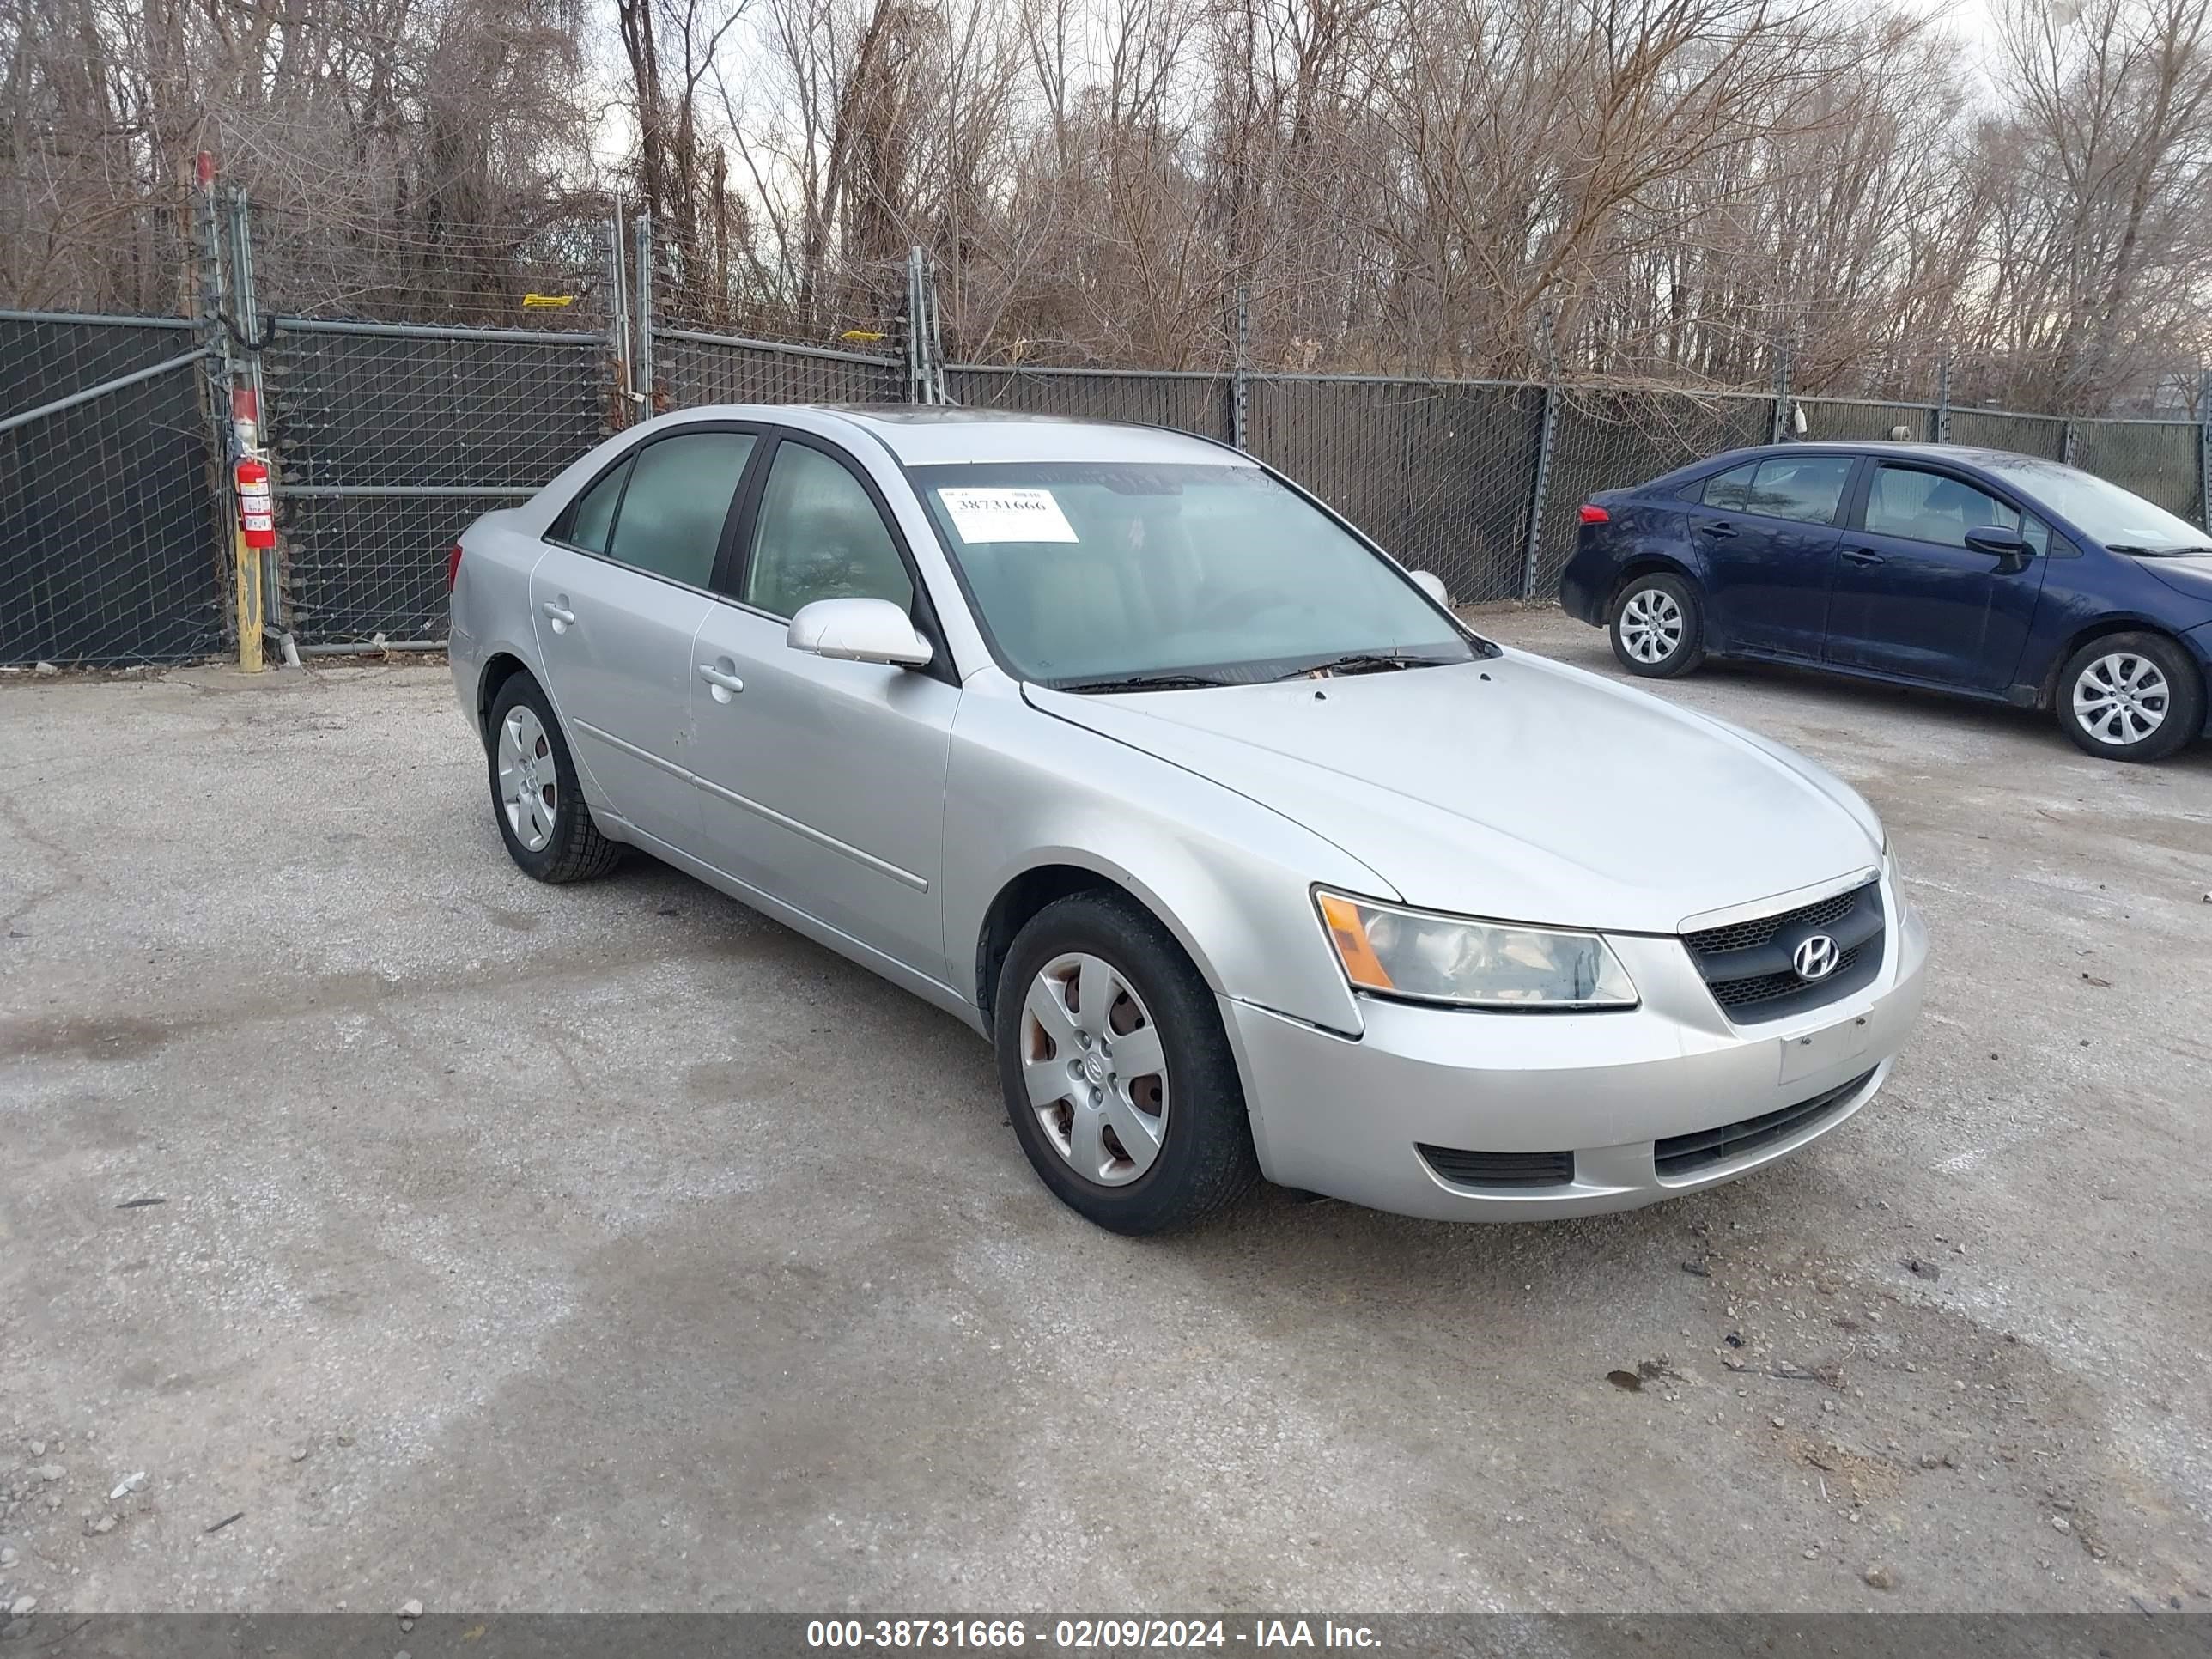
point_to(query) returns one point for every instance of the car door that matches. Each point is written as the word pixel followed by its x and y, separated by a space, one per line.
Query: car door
pixel 617 598
pixel 1911 599
pixel 823 782
pixel 1766 533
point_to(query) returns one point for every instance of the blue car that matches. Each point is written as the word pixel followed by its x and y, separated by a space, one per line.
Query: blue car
pixel 1973 571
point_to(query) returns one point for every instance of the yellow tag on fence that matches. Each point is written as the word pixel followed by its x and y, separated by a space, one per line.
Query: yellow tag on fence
pixel 534 301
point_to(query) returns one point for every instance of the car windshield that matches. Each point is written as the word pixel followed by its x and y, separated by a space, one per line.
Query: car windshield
pixel 2104 512
pixel 1094 575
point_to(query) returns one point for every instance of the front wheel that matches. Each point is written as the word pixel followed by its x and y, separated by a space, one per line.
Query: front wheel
pixel 2130 697
pixel 1118 1076
pixel 1658 627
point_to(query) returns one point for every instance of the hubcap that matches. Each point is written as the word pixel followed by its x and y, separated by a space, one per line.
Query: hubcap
pixel 1650 625
pixel 529 792
pixel 1096 1072
pixel 2122 699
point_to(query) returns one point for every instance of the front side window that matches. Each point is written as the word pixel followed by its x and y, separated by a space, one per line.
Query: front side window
pixel 670 518
pixel 1092 572
pixel 1933 507
pixel 819 535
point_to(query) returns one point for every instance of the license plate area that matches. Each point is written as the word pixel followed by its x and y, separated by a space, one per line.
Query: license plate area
pixel 1816 1051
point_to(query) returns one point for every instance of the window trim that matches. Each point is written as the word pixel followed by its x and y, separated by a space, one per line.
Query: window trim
pixel 733 563
pixel 762 437
pixel 1862 497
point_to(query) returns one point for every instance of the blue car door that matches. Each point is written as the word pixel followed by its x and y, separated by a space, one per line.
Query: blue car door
pixel 1764 533
pixel 1911 599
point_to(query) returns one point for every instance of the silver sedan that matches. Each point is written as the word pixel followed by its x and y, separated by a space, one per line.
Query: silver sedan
pixel 1248 858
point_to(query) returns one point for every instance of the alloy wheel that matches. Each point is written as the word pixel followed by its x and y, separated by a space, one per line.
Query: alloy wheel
pixel 1095 1069
pixel 2122 698
pixel 529 783
pixel 1650 625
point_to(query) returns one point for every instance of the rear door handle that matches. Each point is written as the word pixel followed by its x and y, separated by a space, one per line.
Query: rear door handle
pixel 727 684
pixel 1861 555
pixel 560 614
pixel 1721 529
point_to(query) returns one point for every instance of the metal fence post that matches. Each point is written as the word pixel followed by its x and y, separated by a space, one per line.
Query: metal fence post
pixel 618 329
pixel 642 358
pixel 1240 368
pixel 1542 482
pixel 916 384
pixel 2066 443
pixel 212 299
pixel 2204 447
pixel 1943 398
pixel 939 390
pixel 1781 389
pixel 246 302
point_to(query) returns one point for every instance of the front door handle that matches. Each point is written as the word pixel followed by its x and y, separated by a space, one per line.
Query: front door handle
pixel 727 684
pixel 560 615
pixel 1862 557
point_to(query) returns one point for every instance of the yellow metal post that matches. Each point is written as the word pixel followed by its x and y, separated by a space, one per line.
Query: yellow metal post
pixel 248 563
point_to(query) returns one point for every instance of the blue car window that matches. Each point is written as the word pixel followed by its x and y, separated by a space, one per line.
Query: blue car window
pixel 1730 490
pixel 1806 487
pixel 1930 506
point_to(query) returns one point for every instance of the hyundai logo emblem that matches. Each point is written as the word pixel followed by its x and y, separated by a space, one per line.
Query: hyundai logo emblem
pixel 1816 958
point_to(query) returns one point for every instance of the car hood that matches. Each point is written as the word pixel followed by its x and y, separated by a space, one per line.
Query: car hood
pixel 1515 788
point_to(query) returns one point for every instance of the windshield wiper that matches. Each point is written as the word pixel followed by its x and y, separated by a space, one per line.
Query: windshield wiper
pixel 1366 662
pixel 2155 552
pixel 1143 682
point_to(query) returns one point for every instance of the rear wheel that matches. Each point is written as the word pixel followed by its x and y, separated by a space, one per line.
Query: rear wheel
pixel 1118 1077
pixel 2130 697
pixel 1658 626
pixel 535 797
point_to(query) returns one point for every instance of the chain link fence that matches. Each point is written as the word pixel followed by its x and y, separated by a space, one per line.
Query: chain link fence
pixel 387 437
pixel 110 549
pixel 1442 474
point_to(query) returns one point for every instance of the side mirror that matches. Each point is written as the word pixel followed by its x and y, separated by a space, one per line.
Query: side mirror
pixel 1432 585
pixel 2008 547
pixel 858 630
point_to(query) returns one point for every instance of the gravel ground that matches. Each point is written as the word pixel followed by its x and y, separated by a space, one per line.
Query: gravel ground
pixel 377 1226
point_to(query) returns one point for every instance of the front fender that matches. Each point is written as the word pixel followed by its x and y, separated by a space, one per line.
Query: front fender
pixel 1232 880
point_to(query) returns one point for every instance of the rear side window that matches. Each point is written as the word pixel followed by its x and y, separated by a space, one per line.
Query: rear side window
pixel 1808 487
pixel 591 516
pixel 1730 490
pixel 671 516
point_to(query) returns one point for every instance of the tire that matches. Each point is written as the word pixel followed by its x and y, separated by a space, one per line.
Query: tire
pixel 554 842
pixel 1662 614
pixel 2130 697
pixel 1189 1153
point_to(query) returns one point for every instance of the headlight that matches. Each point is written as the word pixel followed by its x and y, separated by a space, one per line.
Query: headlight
pixel 1475 964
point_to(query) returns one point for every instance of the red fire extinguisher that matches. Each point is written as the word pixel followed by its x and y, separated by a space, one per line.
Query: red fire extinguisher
pixel 256 508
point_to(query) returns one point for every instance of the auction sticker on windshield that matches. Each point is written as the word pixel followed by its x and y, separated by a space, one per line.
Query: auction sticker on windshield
pixel 1006 515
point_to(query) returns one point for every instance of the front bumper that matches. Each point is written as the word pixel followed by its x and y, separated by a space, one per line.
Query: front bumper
pixel 1347 1117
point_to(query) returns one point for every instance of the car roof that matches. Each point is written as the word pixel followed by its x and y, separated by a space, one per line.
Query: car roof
pixel 924 435
pixel 1962 454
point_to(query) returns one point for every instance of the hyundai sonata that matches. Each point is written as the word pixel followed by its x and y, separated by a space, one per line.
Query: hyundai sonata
pixel 1248 857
